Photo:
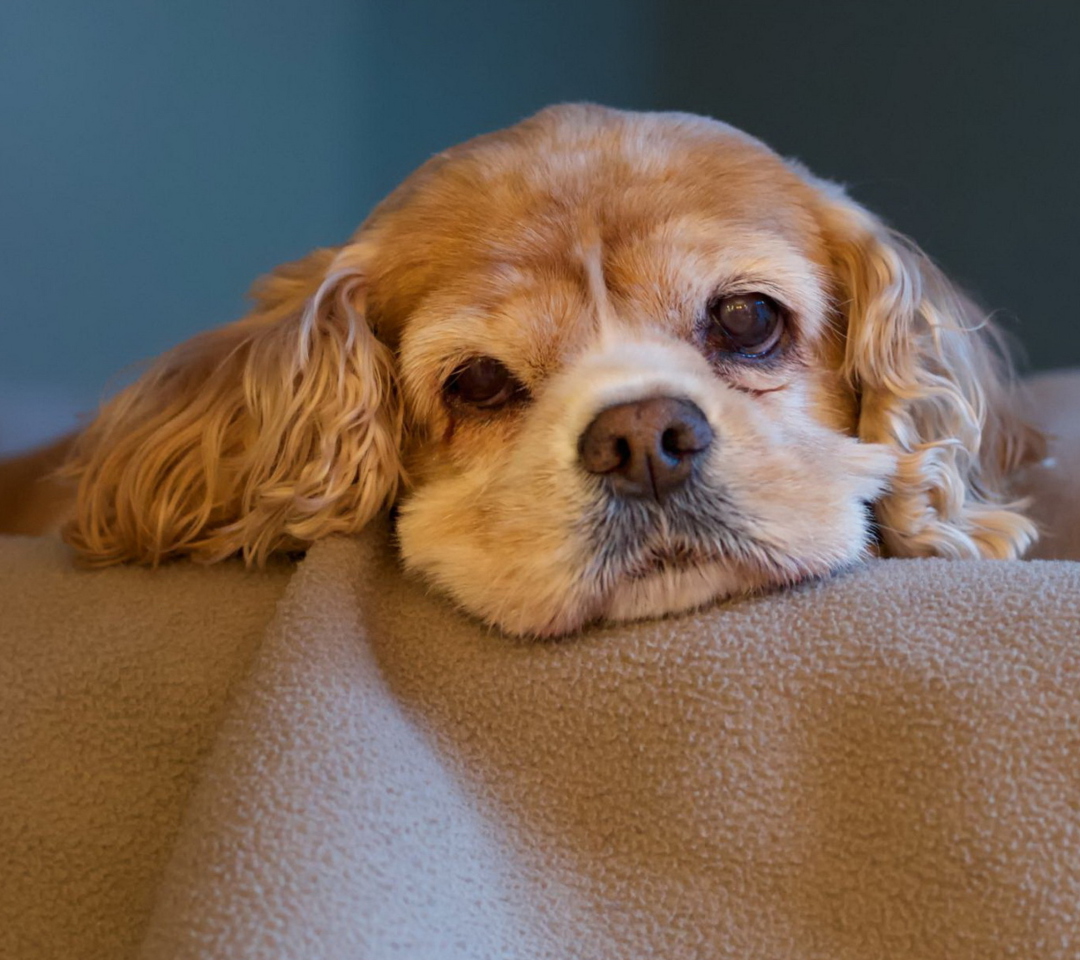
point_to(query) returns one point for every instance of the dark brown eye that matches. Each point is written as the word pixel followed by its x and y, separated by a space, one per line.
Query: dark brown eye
pixel 483 382
pixel 746 324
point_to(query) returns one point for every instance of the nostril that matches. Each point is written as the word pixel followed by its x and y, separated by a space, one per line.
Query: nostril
pixel 670 442
pixel 605 448
pixel 690 434
pixel 686 437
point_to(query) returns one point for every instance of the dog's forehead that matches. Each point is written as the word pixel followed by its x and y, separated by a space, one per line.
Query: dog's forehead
pixel 512 211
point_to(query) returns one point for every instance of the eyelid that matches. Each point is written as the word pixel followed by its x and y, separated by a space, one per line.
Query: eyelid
pixel 447 364
pixel 744 286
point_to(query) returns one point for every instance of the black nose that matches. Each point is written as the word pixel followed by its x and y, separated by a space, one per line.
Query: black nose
pixel 646 448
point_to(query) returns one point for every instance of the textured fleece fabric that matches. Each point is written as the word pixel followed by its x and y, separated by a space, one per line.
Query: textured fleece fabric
pixel 112 686
pixel 886 764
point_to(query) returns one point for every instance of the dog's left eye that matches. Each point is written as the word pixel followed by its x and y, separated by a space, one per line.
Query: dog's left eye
pixel 483 382
pixel 748 325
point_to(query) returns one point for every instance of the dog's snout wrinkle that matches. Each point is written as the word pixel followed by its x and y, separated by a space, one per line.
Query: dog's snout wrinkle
pixel 646 448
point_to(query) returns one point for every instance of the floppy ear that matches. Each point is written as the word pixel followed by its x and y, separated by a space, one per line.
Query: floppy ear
pixel 935 384
pixel 259 436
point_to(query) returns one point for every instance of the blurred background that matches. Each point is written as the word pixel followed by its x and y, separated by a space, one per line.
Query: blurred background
pixel 155 158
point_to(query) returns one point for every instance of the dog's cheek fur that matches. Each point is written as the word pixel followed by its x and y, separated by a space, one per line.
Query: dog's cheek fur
pixel 798 492
pixel 803 488
pixel 500 539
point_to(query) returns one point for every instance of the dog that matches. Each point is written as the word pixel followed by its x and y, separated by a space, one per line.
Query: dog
pixel 600 365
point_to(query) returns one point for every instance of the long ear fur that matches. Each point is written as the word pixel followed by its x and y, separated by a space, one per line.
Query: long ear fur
pixel 260 436
pixel 934 383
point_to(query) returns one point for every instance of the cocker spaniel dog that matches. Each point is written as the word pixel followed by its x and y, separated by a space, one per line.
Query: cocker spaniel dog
pixel 601 365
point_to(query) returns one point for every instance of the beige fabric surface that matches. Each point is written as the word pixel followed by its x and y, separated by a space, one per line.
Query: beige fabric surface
pixel 883 765
pixel 111 689
pixel 887 765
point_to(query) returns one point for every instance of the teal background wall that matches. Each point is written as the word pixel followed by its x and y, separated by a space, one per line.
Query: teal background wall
pixel 155 158
pixel 442 72
pixel 957 120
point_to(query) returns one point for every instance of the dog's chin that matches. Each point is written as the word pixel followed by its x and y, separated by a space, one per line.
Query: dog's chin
pixel 642 593
pixel 675 582
pixel 678 580
pixel 673 588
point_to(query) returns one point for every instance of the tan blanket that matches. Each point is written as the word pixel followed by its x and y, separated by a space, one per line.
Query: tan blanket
pixel 887 765
pixel 883 765
pixel 111 689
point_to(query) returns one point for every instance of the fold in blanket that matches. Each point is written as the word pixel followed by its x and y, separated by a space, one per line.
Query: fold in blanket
pixel 884 765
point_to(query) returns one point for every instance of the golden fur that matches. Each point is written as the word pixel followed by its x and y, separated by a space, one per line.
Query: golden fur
pixel 579 248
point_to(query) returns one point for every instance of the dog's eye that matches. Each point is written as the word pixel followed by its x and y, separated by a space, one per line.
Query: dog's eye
pixel 483 382
pixel 746 324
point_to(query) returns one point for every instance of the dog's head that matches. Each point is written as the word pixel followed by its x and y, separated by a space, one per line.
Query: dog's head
pixel 607 365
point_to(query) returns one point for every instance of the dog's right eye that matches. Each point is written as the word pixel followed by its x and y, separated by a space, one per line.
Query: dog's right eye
pixel 484 383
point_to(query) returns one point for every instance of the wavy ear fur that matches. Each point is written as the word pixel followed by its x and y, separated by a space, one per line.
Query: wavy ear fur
pixel 260 436
pixel 935 384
